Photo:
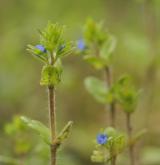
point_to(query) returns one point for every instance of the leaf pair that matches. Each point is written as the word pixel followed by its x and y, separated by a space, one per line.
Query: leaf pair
pixel 126 93
pixel 42 56
pixel 50 75
pixel 123 91
pixel 44 131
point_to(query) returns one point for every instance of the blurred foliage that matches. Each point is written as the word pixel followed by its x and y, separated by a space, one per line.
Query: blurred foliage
pixel 136 27
pixel 151 156
pixel 98 89
pixel 98 44
pixel 23 146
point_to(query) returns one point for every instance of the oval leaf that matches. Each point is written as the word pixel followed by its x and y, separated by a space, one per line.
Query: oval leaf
pixel 38 127
pixel 97 88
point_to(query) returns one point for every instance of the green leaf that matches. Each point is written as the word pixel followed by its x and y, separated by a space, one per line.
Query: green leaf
pixel 126 93
pixel 65 49
pixel 63 135
pixel 108 48
pixel 98 89
pixel 38 127
pixel 116 140
pixel 50 75
pixel 37 53
pixel 119 144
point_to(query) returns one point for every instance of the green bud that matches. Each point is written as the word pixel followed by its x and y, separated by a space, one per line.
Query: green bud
pixel 52 36
pixel 50 75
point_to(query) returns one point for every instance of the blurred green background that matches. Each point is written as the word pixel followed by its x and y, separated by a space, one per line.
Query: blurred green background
pixel 136 25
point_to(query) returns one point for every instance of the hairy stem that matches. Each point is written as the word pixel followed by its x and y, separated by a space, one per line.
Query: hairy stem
pixel 113 114
pixel 113 157
pixel 131 146
pixel 113 161
pixel 52 118
pixel 112 108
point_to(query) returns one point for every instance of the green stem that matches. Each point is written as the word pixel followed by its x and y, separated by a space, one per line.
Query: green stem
pixel 112 108
pixel 131 146
pixel 52 118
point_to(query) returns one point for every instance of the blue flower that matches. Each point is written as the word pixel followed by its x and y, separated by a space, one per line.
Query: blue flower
pixel 81 45
pixel 102 138
pixel 41 48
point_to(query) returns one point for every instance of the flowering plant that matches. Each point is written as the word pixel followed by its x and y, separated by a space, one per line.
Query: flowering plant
pixel 51 49
pixel 97 48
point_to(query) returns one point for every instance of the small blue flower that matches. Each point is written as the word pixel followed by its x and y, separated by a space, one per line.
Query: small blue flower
pixel 41 48
pixel 81 45
pixel 102 138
